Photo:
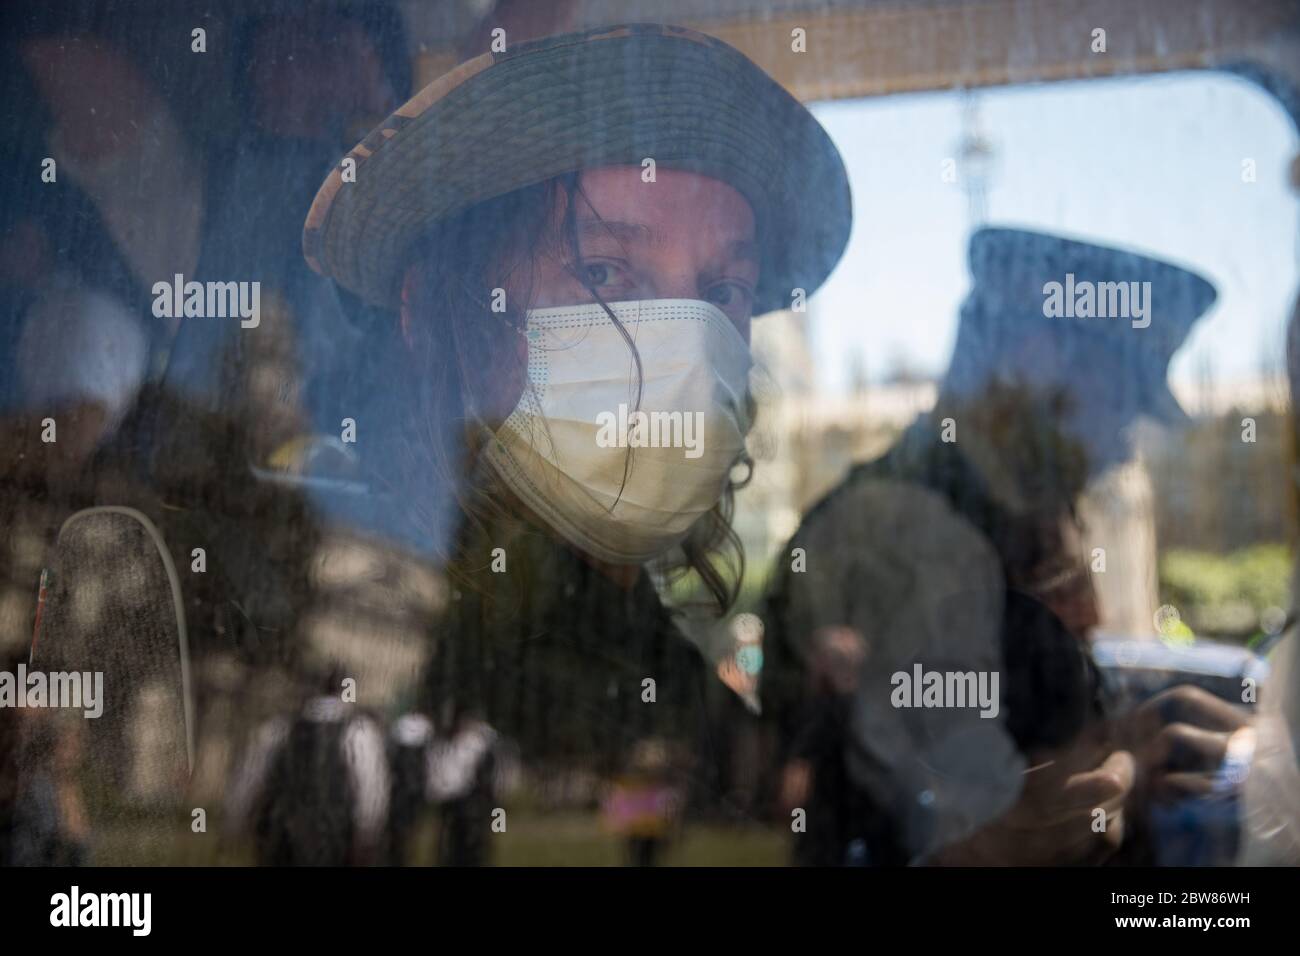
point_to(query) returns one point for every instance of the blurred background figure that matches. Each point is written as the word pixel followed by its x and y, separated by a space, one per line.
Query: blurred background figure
pixel 1086 380
pixel 643 806
pixel 812 777
pixel 468 769
pixel 739 670
pixel 313 788
pixel 409 739
pixel 51 825
pixel 985 489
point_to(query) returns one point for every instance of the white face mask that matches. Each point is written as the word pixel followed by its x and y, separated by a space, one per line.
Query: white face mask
pixel 620 481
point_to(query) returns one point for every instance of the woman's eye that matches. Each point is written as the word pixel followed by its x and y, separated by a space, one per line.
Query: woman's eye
pixel 599 274
pixel 727 294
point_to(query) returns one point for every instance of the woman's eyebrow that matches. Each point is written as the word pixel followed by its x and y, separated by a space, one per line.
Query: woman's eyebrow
pixel 745 250
pixel 738 252
pixel 612 228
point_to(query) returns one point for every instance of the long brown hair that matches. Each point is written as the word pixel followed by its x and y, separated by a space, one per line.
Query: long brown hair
pixel 452 335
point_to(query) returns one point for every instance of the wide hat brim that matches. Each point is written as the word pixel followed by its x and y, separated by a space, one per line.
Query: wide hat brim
pixel 1010 269
pixel 614 96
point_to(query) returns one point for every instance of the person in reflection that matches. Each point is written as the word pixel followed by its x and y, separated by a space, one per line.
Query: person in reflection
pixel 958 553
pixel 574 260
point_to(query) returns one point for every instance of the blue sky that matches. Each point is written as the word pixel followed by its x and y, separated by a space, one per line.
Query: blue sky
pixel 1153 163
